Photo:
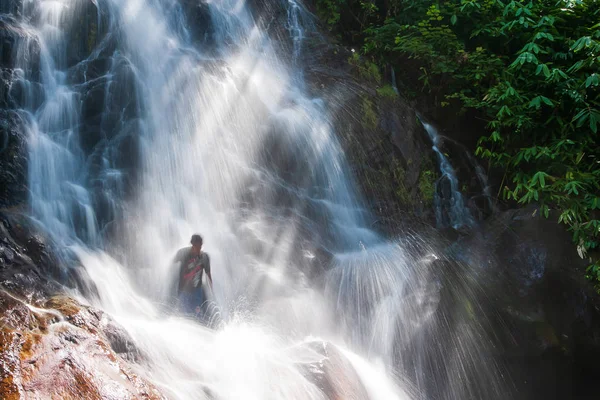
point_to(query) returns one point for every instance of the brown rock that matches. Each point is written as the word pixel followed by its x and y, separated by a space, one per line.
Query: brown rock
pixel 10 366
pixel 61 351
pixel 334 374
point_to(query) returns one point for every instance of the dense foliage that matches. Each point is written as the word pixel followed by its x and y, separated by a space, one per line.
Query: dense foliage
pixel 530 69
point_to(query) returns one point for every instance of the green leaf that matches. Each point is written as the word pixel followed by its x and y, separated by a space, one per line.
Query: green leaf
pixel 592 80
pixel 539 178
pixel 537 102
pixel 581 117
pixel 453 19
pixel 545 211
pixel 581 43
pixel 525 57
pixel 573 187
pixel 543 68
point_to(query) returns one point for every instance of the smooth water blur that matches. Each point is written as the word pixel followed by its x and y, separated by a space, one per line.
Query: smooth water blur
pixel 260 354
pixel 230 146
pixel 454 213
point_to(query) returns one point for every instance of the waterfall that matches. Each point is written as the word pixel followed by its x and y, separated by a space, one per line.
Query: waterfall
pixel 146 126
pixel 482 178
pixel 451 209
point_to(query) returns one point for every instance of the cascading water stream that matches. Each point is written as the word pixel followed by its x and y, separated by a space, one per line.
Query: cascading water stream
pixel 231 146
pixel 458 215
pixel 57 173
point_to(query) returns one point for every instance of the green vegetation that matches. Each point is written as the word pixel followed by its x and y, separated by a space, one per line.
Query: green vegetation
pixel 369 115
pixel 529 69
pixel 365 68
pixel 427 185
pixel 400 190
pixel 387 91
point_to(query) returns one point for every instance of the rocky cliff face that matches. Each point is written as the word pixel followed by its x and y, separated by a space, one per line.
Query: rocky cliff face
pixel 387 147
pixel 536 281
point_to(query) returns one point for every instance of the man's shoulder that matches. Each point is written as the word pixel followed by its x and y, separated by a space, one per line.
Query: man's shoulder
pixel 181 253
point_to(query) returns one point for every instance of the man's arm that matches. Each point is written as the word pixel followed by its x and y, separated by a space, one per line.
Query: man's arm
pixel 208 274
pixel 177 262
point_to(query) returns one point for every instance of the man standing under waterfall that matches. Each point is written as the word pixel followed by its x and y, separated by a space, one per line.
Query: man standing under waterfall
pixel 193 262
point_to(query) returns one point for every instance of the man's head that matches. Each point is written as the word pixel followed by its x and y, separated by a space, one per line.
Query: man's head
pixel 196 242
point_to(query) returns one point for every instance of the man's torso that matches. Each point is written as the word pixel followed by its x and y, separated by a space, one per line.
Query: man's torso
pixel 191 269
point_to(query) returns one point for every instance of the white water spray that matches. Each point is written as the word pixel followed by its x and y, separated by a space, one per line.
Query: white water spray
pixel 230 147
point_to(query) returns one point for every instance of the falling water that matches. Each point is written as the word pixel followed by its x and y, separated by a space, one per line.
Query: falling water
pixel 158 132
pixel 482 178
pixel 458 215
pixel 394 84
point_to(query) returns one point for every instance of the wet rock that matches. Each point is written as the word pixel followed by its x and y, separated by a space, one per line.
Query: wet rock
pixel 200 23
pixel 23 93
pixel 92 99
pixel 10 366
pixel 91 138
pixel 122 96
pixel 89 70
pixel 18 48
pixel 9 38
pixel 11 7
pixel 19 63
pixel 13 160
pixel 334 374
pixel 23 235
pixel 5 86
pixel 384 141
pixel 120 341
pixel 532 272
pixel 86 30
pixel 26 266
pixel 59 350
pixel 109 103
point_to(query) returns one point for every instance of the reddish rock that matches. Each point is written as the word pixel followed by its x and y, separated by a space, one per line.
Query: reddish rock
pixel 335 375
pixel 60 350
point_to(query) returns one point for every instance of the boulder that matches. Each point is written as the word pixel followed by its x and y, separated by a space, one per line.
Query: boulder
pixel 530 270
pixel 60 349
pixel 50 345
pixel 334 375
pixel 27 263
